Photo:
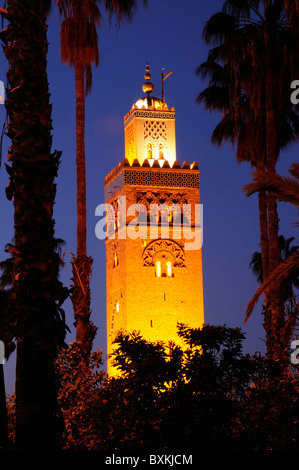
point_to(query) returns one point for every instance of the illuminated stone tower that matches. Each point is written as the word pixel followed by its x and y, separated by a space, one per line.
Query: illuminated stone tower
pixel 153 244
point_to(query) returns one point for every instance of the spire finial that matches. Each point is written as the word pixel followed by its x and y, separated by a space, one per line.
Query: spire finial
pixel 147 87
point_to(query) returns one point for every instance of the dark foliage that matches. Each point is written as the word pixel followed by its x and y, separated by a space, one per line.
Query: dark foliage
pixel 207 396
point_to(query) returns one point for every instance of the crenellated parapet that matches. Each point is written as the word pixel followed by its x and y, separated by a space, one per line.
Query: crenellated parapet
pixel 151 173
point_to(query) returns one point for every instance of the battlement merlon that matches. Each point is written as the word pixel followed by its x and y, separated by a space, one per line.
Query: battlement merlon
pixel 156 174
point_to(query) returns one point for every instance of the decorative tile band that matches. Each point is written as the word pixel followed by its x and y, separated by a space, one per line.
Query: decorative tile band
pixel 143 176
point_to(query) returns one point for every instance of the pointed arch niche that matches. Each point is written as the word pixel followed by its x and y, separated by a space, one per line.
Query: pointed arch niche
pixel 164 255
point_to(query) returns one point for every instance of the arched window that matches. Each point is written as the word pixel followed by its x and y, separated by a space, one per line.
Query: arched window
pixel 163 266
pixel 168 269
pixel 158 269
pixel 116 221
pixel 149 150
pixel 161 151
pixel 155 214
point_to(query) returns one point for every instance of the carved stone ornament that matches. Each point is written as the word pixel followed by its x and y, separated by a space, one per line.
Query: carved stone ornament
pixel 169 246
pixel 150 197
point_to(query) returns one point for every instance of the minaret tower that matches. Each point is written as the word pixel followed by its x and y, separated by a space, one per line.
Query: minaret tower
pixel 154 230
pixel 150 128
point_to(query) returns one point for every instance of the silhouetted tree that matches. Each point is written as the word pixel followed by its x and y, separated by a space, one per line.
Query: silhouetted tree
pixel 79 48
pixel 187 400
pixel 80 377
pixel 285 276
pixel 286 288
pixel 251 67
pixel 37 294
pixel 208 395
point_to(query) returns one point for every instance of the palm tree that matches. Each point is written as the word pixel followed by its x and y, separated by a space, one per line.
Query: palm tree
pixel 79 49
pixel 239 129
pixel 285 250
pixel 286 288
pixel 37 294
pixel 286 274
pixel 257 47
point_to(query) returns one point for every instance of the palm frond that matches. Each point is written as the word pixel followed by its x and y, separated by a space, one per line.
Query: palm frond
pixel 214 97
pixel 6 278
pixel 237 7
pixel 225 131
pixel 79 9
pixel 79 41
pixel 286 189
pixel 244 9
pixel 256 266
pixel 78 35
pixel 283 271
pixel 292 12
pixel 209 68
pixel 294 170
pixel 122 9
pixel 219 27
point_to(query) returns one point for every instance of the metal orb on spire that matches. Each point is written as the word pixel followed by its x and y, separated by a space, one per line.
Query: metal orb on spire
pixel 147 87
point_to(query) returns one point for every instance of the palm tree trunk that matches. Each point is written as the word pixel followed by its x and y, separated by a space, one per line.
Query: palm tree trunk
pixel 81 264
pixel 80 160
pixel 271 155
pixel 263 221
pixel 264 242
pixel 35 289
